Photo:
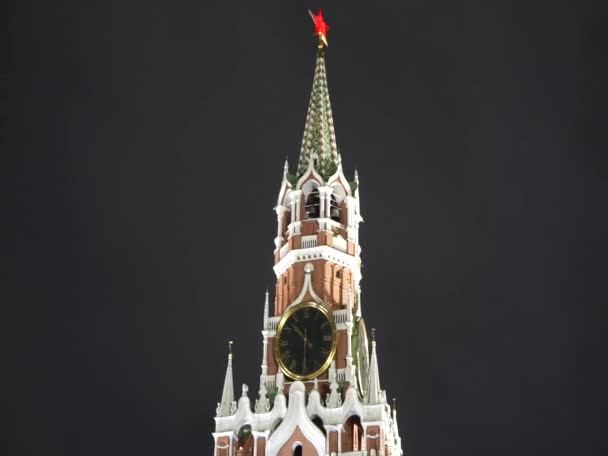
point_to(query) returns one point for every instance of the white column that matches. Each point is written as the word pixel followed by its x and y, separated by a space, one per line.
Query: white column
pixel 321 203
pixel 264 354
pixel 349 353
pixel 280 210
pixel 349 333
pixel 292 205
pixel 349 211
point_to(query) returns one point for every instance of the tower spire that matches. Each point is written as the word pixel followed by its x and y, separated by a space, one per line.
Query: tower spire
pixel 226 406
pixel 373 386
pixel 266 310
pixel 319 140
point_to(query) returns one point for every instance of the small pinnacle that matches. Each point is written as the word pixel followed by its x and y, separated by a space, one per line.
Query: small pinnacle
pixel 230 347
pixel 286 167
pixel 394 404
pixel 374 334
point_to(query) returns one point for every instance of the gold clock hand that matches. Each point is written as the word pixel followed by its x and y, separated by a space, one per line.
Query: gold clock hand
pixel 298 331
pixel 302 335
pixel 304 358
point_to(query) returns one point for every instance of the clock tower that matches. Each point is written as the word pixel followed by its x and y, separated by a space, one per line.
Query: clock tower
pixel 319 387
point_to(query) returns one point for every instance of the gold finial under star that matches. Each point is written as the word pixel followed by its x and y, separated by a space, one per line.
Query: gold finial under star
pixel 321 27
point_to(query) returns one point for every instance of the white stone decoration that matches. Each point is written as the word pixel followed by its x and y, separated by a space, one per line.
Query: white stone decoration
pixel 296 417
pixel 307 287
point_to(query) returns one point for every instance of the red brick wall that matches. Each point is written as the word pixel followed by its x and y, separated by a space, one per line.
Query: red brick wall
pixel 307 448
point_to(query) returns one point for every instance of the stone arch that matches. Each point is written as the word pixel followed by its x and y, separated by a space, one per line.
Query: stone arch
pixel 286 198
pixel 298 439
pixel 335 209
pixel 352 434
pixel 312 206
pixel 309 186
pixel 339 192
pixel 297 449
pixel 245 441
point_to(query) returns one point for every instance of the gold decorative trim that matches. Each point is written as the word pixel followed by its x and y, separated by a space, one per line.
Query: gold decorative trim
pixel 362 363
pixel 334 343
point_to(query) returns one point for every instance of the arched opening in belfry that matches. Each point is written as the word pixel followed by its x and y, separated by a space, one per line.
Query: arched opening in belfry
pixel 352 434
pixel 297 451
pixel 245 439
pixel 334 209
pixel 313 203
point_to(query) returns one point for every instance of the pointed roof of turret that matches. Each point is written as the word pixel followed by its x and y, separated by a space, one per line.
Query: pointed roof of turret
pixel 395 425
pixel 225 406
pixel 373 387
pixel 266 310
pixel 319 140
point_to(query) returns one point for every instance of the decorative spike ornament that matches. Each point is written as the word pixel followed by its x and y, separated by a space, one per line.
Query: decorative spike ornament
pixel 374 394
pixel 266 311
pixel 319 140
pixel 225 407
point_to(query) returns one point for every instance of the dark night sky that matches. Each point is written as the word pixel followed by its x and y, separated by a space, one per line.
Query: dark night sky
pixel 150 139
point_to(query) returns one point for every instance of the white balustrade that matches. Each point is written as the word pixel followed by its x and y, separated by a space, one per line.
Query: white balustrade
pixel 340 316
pixel 273 322
pixel 309 241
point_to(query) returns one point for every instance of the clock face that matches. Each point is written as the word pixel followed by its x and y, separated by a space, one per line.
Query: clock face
pixel 305 341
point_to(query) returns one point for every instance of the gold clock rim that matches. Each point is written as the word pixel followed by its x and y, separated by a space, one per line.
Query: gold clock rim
pixel 362 331
pixel 334 343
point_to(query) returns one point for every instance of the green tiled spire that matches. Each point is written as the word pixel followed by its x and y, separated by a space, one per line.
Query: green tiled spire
pixel 319 141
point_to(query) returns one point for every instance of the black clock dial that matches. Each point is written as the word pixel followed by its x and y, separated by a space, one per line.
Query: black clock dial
pixel 306 341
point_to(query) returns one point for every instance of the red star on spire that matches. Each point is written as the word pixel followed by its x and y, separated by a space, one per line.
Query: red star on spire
pixel 321 26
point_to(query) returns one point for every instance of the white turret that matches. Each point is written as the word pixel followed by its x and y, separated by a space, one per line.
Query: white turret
pixel 263 404
pixel 227 405
pixel 266 310
pixel 374 394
